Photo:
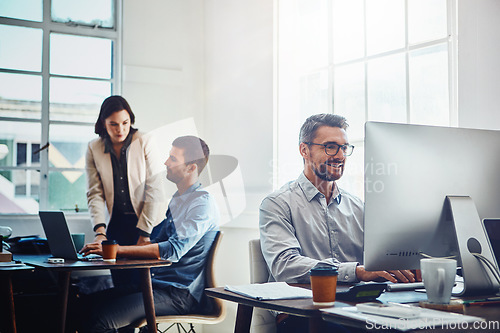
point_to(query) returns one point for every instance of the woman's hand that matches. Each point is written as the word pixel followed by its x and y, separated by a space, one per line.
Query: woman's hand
pixel 99 238
pixel 100 234
pixel 92 248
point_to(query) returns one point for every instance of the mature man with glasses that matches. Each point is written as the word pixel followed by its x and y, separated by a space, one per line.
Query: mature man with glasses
pixel 311 221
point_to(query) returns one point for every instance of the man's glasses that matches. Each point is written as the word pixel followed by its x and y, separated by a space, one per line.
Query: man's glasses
pixel 331 149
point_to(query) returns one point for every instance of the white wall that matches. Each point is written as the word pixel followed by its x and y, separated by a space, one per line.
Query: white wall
pixel 210 60
pixel 163 61
pixel 239 88
pixel 239 117
pixel 478 66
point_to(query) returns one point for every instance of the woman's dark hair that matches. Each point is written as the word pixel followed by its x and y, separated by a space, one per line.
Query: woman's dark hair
pixel 111 105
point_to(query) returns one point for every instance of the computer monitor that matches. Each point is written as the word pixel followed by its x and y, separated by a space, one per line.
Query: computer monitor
pixel 427 188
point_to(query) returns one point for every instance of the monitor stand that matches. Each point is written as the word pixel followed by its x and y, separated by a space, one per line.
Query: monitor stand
pixel 471 238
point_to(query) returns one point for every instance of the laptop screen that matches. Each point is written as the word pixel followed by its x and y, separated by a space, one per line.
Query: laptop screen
pixel 58 235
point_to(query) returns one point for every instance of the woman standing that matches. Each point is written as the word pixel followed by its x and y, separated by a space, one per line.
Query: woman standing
pixel 123 177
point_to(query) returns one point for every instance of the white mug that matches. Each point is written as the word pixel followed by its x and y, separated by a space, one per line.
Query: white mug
pixel 439 277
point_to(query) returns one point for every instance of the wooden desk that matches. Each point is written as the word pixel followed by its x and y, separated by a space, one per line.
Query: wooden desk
pixel 299 307
pixel 7 295
pixel 305 308
pixel 64 274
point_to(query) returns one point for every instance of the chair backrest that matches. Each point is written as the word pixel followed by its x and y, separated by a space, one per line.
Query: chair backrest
pixel 219 309
pixel 262 320
pixel 258 266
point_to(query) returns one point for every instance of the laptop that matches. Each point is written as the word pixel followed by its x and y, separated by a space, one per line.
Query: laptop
pixel 59 238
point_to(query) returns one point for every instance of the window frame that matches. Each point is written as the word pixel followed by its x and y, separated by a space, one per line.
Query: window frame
pixel 282 138
pixel 450 41
pixel 48 26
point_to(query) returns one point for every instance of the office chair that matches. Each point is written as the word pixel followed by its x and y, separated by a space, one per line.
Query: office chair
pixel 218 311
pixel 262 321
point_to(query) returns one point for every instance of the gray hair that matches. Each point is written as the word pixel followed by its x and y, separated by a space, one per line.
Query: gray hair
pixel 311 125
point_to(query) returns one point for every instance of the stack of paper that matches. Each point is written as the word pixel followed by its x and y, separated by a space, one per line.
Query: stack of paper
pixel 11 264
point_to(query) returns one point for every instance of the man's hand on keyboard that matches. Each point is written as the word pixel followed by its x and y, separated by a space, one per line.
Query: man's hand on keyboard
pixel 404 276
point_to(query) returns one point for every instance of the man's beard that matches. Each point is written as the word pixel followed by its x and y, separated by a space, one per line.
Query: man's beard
pixel 322 173
pixel 173 178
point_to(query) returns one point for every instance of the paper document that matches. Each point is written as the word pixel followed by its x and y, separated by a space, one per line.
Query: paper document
pixel 270 291
pixel 427 319
pixel 11 264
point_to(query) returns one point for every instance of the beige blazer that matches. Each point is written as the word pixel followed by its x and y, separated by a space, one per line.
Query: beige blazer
pixel 145 181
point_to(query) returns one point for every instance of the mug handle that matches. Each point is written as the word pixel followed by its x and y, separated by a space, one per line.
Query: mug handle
pixel 440 278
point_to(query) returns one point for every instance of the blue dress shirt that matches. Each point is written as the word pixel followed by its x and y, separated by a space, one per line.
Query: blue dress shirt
pixel 185 237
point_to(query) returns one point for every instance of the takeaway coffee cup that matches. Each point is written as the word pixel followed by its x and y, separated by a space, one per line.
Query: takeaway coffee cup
pixel 78 240
pixel 324 285
pixel 439 277
pixel 109 249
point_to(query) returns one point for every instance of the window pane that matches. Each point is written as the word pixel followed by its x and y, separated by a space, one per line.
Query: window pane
pixel 80 56
pixel 15 140
pixel 21 153
pixel 27 183
pixel 385 26
pixel 19 191
pixel 67 150
pixel 70 193
pixel 77 100
pixel 30 10
pixel 35 155
pixel 429 101
pixel 312 34
pixel 349 97
pixel 348 30
pixel 387 89
pixel 21 48
pixel 427 20
pixel 68 145
pixel 19 188
pixel 20 96
pixel 314 93
pixel 88 12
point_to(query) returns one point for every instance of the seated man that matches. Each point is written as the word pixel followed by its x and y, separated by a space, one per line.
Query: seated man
pixel 184 237
pixel 311 221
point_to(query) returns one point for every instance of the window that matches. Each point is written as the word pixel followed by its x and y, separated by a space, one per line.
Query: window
pixel 59 60
pixel 383 60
